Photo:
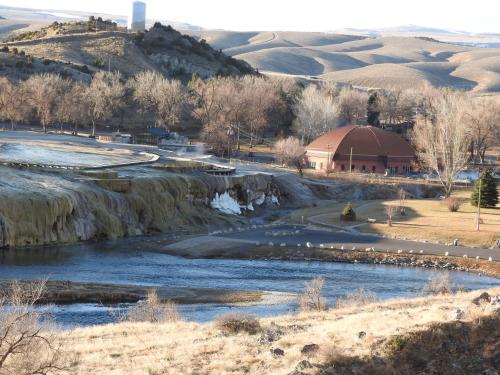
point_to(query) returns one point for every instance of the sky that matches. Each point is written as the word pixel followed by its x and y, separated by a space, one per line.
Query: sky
pixel 299 15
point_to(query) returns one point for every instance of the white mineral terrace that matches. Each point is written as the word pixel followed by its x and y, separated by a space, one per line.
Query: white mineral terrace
pixel 68 154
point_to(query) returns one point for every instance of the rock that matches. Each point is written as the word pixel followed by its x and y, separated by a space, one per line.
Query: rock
pixel 297 372
pixel 277 352
pixel 270 336
pixel 457 314
pixel 484 297
pixel 361 335
pixel 309 349
pixel 304 364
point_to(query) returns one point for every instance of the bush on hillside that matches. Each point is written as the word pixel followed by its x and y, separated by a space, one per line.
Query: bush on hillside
pixel 235 323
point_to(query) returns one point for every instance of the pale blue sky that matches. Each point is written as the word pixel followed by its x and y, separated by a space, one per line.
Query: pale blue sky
pixel 305 15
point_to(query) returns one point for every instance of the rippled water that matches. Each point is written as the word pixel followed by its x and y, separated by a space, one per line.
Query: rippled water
pixel 121 263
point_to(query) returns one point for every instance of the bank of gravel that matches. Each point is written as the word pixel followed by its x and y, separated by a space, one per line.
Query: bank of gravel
pixel 67 292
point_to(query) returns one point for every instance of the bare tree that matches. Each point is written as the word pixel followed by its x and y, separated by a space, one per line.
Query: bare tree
pixel 290 151
pixel 26 346
pixel 142 91
pixel 44 92
pixel 169 95
pixel 260 98
pixel 352 105
pixel 484 126
pixel 12 102
pixel 75 108
pixel 311 299
pixel 316 113
pixel 441 138
pixel 398 106
pixel 104 96
pixel 155 93
pixel 402 201
pixel 390 211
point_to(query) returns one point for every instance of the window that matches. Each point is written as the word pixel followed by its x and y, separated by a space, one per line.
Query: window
pixel 342 167
pixel 396 170
pixel 374 168
pixel 320 165
pixel 353 167
pixel 363 168
pixel 312 164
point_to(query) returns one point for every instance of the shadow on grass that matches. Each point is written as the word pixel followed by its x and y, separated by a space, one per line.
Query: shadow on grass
pixel 471 348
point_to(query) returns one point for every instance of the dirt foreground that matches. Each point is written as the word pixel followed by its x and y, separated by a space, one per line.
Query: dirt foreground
pixel 445 334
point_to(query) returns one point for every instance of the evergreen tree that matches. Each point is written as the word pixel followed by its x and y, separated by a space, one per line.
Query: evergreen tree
pixel 489 192
pixel 373 110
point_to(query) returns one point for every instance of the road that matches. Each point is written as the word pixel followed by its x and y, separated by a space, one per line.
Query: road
pixel 292 235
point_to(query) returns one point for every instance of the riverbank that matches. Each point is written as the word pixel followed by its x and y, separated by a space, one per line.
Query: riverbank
pixel 67 292
pixel 446 334
pixel 210 247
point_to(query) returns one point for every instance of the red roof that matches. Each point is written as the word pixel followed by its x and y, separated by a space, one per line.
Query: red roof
pixel 364 140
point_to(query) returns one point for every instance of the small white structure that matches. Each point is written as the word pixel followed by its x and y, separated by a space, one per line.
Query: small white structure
pixel 137 18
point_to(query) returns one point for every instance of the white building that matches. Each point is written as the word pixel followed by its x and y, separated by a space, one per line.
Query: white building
pixel 137 18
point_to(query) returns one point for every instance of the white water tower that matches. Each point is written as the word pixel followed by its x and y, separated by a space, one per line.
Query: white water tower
pixel 137 18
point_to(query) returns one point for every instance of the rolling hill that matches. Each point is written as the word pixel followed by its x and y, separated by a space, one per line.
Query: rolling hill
pixel 370 62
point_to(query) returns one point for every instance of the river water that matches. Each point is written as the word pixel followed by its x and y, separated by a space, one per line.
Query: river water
pixel 132 262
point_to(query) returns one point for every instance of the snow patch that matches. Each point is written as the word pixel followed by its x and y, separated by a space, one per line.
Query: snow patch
pixel 260 200
pixel 275 200
pixel 226 204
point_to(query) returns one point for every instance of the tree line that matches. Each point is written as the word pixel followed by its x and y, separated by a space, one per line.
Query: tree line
pixel 449 127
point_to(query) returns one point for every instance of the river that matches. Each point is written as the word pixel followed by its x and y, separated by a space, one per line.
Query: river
pixel 132 262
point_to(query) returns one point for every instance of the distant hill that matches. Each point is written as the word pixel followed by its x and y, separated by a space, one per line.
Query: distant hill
pixel 74 50
pixel 370 62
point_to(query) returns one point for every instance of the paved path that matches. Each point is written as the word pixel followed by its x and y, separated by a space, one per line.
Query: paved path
pixel 292 235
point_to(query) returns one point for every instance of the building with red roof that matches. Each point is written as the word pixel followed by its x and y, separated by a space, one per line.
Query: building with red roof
pixel 361 149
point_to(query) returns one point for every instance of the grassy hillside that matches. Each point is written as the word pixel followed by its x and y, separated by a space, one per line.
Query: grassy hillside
pixel 161 48
pixel 363 61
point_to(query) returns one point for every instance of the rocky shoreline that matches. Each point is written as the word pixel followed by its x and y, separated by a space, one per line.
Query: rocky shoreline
pixel 234 249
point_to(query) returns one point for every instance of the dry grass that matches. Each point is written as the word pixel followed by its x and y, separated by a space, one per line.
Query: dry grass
pixel 187 348
pixel 424 219
pixel 438 284
pixel 358 298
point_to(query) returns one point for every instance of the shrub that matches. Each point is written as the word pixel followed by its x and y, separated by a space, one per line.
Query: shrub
pixel 98 63
pixel 438 284
pixel 152 310
pixel 360 297
pixel 452 203
pixel 348 213
pixel 489 192
pixel 396 344
pixel 5 49
pixel 311 299
pixel 236 323
pixel 28 346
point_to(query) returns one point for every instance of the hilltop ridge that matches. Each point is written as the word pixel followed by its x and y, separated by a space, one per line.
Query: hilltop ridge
pixel 86 47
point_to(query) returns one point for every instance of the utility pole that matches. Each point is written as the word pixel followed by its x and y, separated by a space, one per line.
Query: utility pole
pixel 328 161
pixel 350 162
pixel 479 201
